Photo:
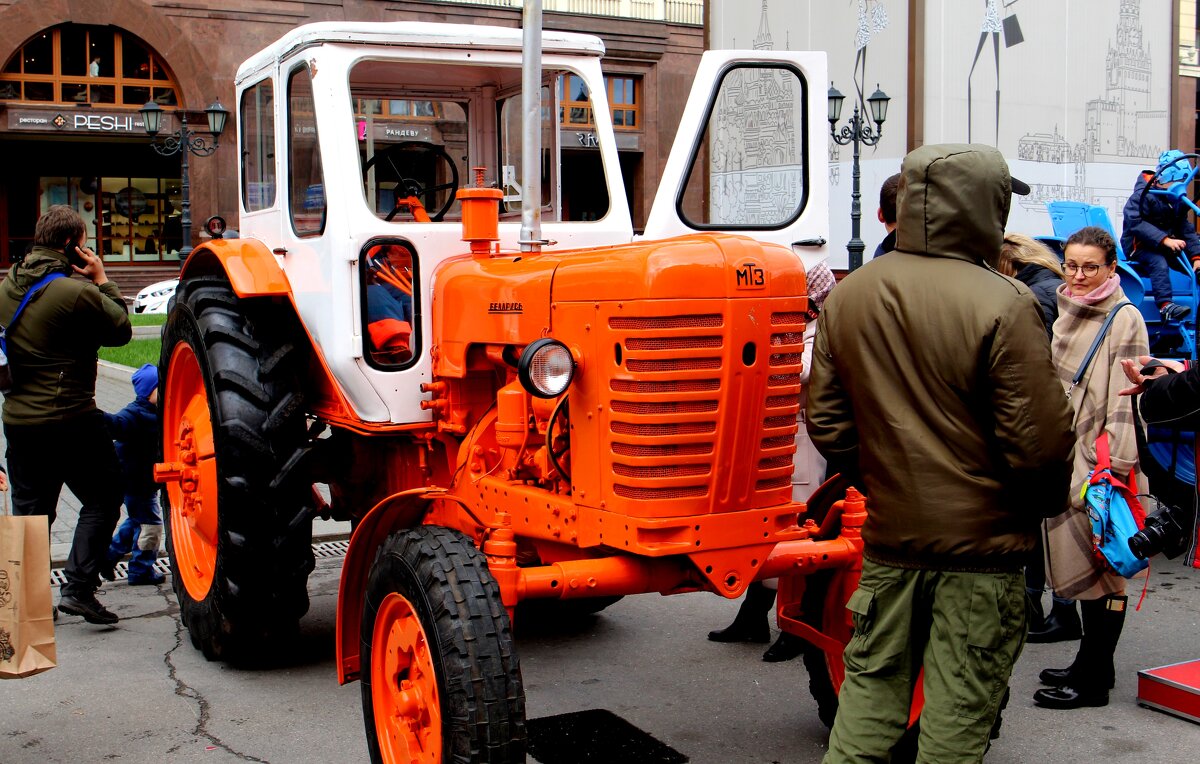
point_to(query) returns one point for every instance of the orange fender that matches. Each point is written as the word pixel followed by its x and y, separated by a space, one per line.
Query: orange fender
pixel 401 510
pixel 249 265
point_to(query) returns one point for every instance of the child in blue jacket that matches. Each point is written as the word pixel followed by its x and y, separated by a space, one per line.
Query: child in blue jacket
pixel 1157 231
pixel 135 430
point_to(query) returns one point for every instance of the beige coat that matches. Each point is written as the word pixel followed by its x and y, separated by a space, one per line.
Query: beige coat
pixel 1071 567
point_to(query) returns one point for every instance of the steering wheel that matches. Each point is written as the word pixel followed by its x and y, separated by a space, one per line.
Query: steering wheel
pixel 1177 190
pixel 404 156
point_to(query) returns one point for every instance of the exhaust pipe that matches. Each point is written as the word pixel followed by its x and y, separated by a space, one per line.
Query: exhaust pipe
pixel 531 127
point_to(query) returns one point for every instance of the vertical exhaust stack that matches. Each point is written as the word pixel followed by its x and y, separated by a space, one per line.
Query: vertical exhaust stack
pixel 531 127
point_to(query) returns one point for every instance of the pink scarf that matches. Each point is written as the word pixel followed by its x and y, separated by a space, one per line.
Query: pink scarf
pixel 1099 294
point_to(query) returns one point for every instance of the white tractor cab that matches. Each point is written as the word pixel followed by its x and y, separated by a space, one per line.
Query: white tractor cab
pixel 369 116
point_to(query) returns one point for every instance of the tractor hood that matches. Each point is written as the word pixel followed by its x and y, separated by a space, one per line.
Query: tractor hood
pixel 511 300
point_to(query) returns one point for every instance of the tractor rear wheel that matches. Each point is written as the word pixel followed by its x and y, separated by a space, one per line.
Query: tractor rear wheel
pixel 440 679
pixel 232 416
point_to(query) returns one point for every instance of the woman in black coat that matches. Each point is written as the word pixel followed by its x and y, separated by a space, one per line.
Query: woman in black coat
pixel 1035 266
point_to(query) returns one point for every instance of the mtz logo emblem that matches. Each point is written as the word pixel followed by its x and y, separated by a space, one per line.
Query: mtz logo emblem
pixel 505 307
pixel 751 276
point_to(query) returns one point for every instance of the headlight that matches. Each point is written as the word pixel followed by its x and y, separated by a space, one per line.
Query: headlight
pixel 546 368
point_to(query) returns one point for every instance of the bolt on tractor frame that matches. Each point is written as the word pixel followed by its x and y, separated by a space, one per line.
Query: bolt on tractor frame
pixel 508 393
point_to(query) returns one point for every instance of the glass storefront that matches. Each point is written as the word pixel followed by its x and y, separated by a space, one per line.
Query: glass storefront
pixel 127 219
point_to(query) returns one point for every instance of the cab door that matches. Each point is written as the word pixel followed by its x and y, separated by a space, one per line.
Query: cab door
pixel 751 153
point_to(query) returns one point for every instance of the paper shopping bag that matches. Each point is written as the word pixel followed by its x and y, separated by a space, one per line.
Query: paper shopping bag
pixel 26 617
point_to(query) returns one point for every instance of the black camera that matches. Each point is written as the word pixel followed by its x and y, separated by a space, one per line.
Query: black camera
pixel 1167 531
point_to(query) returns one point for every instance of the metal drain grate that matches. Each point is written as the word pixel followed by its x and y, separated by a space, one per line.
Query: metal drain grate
pixel 325 550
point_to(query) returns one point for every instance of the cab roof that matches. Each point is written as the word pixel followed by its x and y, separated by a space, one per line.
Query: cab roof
pixel 414 34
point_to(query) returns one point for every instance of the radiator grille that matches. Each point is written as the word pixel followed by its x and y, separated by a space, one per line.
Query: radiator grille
pixel 668 386
pixel 783 401
pixel 671 343
pixel 653 494
pixel 772 484
pixel 665 429
pixel 648 408
pixel 682 449
pixel 775 462
pixel 779 441
pixel 664 471
pixel 707 321
pixel 672 364
pixel 658 451
pixel 775 422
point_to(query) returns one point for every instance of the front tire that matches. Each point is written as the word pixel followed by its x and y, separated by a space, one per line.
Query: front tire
pixel 232 416
pixel 440 680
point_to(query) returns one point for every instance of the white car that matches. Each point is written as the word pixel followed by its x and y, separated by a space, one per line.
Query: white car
pixel 154 298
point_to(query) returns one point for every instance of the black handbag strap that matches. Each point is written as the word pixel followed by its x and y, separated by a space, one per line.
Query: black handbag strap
pixel 1091 353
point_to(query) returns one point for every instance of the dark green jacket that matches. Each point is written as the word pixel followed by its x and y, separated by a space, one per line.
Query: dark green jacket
pixel 932 378
pixel 52 349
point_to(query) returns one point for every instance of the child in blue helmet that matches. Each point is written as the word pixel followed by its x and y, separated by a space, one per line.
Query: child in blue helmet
pixel 135 430
pixel 1156 233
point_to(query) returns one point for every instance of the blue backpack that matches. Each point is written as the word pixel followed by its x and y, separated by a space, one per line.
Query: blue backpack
pixel 1116 514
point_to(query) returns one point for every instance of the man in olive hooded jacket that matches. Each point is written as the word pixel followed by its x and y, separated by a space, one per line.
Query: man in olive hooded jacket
pixel 932 384
pixel 54 431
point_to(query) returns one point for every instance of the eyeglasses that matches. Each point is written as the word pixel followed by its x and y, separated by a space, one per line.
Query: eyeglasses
pixel 1089 269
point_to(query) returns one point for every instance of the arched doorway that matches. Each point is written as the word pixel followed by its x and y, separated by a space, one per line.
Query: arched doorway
pixel 74 136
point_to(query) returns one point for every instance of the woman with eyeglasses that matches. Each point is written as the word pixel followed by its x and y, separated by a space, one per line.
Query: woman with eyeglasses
pixel 1091 293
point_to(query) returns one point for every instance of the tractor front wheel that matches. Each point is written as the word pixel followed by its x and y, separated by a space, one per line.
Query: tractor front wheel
pixel 440 680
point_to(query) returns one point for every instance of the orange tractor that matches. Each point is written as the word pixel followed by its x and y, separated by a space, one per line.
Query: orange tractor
pixel 555 409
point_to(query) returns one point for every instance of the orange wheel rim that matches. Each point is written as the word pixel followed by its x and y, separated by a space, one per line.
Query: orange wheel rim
pixel 404 693
pixel 188 440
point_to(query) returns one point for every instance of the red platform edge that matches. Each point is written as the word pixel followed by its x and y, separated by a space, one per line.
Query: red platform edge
pixel 1173 689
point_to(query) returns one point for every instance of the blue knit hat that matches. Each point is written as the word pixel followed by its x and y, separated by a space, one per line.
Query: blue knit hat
pixel 145 380
pixel 1176 172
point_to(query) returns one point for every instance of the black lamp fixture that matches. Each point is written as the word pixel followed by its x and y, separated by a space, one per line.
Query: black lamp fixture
pixel 857 131
pixel 184 142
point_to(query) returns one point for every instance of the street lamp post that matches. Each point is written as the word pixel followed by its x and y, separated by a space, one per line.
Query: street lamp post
pixel 857 131
pixel 183 142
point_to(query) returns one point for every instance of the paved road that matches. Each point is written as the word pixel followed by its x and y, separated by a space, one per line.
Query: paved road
pixel 140 693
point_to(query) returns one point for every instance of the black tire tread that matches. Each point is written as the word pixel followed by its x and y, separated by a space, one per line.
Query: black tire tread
pixel 479 676
pixel 261 586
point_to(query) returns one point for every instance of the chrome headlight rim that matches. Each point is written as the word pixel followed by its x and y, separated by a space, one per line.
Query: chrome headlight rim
pixel 527 371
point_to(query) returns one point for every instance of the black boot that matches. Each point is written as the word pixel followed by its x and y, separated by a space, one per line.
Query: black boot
pixel 786 647
pixel 751 623
pixel 1093 674
pixel 1033 606
pixel 1062 625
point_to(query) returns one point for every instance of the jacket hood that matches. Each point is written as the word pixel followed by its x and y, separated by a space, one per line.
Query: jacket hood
pixel 953 202
pixel 38 263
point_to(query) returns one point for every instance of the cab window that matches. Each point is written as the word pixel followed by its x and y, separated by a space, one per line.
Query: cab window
pixel 306 183
pixel 391 312
pixel 749 172
pixel 258 146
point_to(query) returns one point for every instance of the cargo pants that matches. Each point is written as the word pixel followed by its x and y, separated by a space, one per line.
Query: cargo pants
pixel 965 629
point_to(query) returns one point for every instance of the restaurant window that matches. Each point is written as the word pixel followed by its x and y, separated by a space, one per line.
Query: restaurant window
pixel 84 64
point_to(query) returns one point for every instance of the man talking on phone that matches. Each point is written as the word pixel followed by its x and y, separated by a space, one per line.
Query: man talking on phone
pixel 55 432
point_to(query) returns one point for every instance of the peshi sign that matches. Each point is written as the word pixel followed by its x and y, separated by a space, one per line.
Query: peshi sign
pixel 87 121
